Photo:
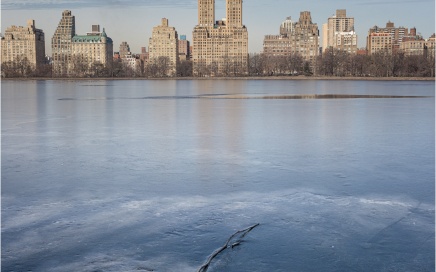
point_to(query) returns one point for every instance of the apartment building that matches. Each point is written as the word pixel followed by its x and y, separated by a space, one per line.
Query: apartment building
pixel 73 53
pixel 135 62
pixel 93 48
pixel 302 39
pixel 184 48
pixel 416 45
pixel 220 47
pixel 144 56
pixel 379 42
pixel 345 41
pixel 339 33
pixel 430 49
pixel 287 27
pixel 164 42
pixel 124 49
pixel 21 42
pixel 377 38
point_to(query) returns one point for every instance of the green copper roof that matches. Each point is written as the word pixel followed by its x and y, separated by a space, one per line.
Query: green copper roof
pixel 91 38
pixel 84 38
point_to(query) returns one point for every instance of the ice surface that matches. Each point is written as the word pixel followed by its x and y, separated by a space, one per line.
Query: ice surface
pixel 126 184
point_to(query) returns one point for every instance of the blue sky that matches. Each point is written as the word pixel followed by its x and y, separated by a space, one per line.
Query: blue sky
pixel 133 20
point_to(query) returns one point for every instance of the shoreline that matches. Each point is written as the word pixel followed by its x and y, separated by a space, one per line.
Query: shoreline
pixel 234 78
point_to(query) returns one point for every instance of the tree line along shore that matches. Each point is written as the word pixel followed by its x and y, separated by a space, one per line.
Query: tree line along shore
pixel 333 64
pixel 230 78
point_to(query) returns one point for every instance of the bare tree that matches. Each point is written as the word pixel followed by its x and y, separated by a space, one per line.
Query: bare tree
pixel 80 68
pixel 269 65
pixel 201 69
pixel 151 69
pixel 255 64
pixel 163 65
pixel 359 65
pixel 98 69
pixel 213 69
pixel 294 63
pixel 333 62
pixel 185 68
pixel 115 69
pixel 19 67
pixel 9 70
pixel 43 70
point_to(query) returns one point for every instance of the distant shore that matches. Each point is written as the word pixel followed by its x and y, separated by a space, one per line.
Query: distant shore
pixel 239 78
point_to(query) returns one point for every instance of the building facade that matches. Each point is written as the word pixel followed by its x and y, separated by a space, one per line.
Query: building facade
pixel 339 33
pixel 301 39
pixel 220 47
pixel 127 58
pixel 416 45
pixel 124 49
pixel 61 44
pixel 397 34
pixel 306 37
pixel 430 49
pixel 278 45
pixel 184 48
pixel 19 43
pixel 345 41
pixel 93 48
pixel 72 53
pixel 379 42
pixel 144 56
pixel 287 27
pixel 413 46
pixel 133 62
pixel 164 42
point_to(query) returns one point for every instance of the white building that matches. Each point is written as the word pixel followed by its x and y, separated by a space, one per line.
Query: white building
pixel 339 30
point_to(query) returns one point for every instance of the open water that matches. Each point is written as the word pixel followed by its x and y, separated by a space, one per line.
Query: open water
pixel 156 175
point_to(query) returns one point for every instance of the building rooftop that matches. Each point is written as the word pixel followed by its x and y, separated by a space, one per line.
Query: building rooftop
pixel 91 38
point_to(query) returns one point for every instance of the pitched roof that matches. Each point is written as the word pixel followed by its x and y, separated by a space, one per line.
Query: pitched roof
pixel 91 38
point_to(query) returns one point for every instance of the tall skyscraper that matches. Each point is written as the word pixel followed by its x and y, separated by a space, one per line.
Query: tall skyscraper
pixel 164 42
pixel 339 33
pixel 23 42
pixel 234 13
pixel 62 42
pixel 306 37
pixel 287 27
pixel 206 13
pixel 221 47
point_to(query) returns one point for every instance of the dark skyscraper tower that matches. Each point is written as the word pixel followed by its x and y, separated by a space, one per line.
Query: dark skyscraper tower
pixel 62 43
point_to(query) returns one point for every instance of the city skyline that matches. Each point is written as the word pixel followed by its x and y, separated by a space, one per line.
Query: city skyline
pixel 133 20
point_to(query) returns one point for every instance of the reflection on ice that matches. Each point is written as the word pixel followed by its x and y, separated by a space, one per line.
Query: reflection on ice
pixel 139 233
pixel 252 96
pixel 155 175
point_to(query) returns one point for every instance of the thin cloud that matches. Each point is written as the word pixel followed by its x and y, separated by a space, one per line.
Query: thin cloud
pixel 393 2
pixel 56 4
